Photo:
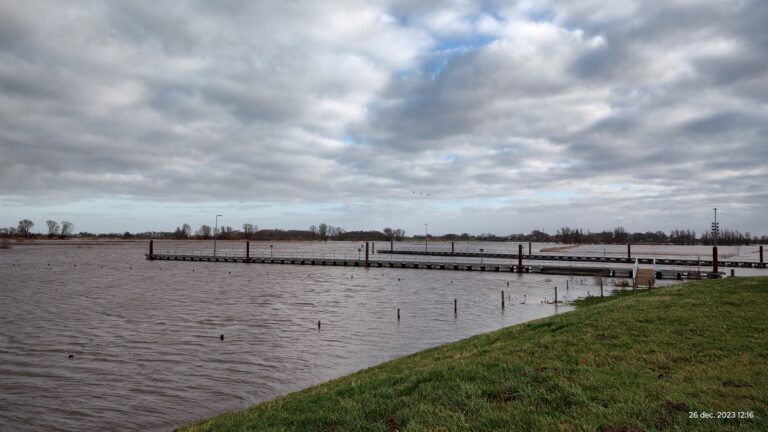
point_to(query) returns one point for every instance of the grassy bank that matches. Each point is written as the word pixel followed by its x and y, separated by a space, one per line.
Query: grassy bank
pixel 636 362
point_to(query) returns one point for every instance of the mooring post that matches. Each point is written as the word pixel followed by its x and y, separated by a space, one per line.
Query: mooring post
pixel 529 248
pixel 455 306
pixel 555 295
pixel 629 252
pixel 761 255
pixel 398 314
pixel 318 324
pixel 502 299
pixel 520 258
pixel 247 250
pixel 366 254
pixel 391 245
pixel 714 261
pixel 373 247
pixel 152 250
pixel 567 285
pixel 453 244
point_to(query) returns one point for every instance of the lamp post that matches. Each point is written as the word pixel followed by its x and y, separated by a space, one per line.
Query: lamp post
pixel 215 231
pixel 426 238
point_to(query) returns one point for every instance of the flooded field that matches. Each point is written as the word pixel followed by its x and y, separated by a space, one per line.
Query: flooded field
pixel 95 337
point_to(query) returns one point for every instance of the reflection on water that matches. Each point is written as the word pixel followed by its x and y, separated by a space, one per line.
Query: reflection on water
pixel 145 336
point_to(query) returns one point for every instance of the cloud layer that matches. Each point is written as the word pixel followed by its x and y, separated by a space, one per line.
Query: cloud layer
pixel 509 116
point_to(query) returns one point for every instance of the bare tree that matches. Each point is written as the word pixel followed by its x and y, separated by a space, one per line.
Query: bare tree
pixel 389 233
pixel 66 229
pixel 322 231
pixel 53 228
pixel 186 230
pixel 249 230
pixel 25 225
pixel 204 232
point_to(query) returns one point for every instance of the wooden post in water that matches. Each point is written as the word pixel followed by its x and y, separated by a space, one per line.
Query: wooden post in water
pixel 567 285
pixel 520 258
pixel 453 243
pixel 391 245
pixel 555 295
pixel 714 261
pixel 529 248
pixel 152 250
pixel 733 273
pixel 455 306
pixel 502 299
pixel 761 255
pixel 601 288
pixel 247 251
pixel 318 324
pixel 629 252
pixel 366 254
pixel 398 314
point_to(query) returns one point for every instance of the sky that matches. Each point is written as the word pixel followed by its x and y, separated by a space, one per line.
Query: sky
pixel 466 116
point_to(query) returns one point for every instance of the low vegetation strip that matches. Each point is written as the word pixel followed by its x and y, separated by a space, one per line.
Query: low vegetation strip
pixel 644 361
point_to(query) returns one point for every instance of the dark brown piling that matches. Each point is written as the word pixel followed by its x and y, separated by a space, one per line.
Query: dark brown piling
pixel 555 294
pixel 391 245
pixel 502 299
pixel 520 258
pixel 247 251
pixel 715 264
pixel 629 252
pixel 366 254
pixel 529 248
pixel 453 244
pixel 398 314
pixel 455 306
pixel 152 250
pixel 761 255
pixel 318 324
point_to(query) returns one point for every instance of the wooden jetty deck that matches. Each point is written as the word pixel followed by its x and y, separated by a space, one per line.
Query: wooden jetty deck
pixel 422 265
pixel 586 259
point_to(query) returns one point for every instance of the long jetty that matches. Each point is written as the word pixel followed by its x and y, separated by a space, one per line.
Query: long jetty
pixel 589 259
pixel 519 267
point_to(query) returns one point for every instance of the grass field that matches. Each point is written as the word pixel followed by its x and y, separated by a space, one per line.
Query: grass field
pixel 638 361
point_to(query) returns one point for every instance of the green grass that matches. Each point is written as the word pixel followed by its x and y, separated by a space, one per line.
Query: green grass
pixel 639 361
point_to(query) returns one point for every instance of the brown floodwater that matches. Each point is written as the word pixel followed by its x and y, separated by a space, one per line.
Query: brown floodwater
pixel 95 337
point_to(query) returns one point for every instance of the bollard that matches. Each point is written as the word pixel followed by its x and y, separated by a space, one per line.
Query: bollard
pixel 520 258
pixel 366 254
pixel 455 307
pixel 398 314
pixel 714 261
pixel 502 299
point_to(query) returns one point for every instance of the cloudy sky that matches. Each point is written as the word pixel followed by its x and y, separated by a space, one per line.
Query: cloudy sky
pixel 469 116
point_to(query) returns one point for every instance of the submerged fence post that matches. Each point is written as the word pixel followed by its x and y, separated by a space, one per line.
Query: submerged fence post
pixel 520 258
pixel 366 254
pixel 714 261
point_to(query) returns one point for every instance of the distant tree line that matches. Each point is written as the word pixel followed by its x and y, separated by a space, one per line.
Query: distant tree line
pixel 324 232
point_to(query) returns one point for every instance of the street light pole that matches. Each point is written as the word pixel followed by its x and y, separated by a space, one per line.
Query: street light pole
pixel 215 231
pixel 426 240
